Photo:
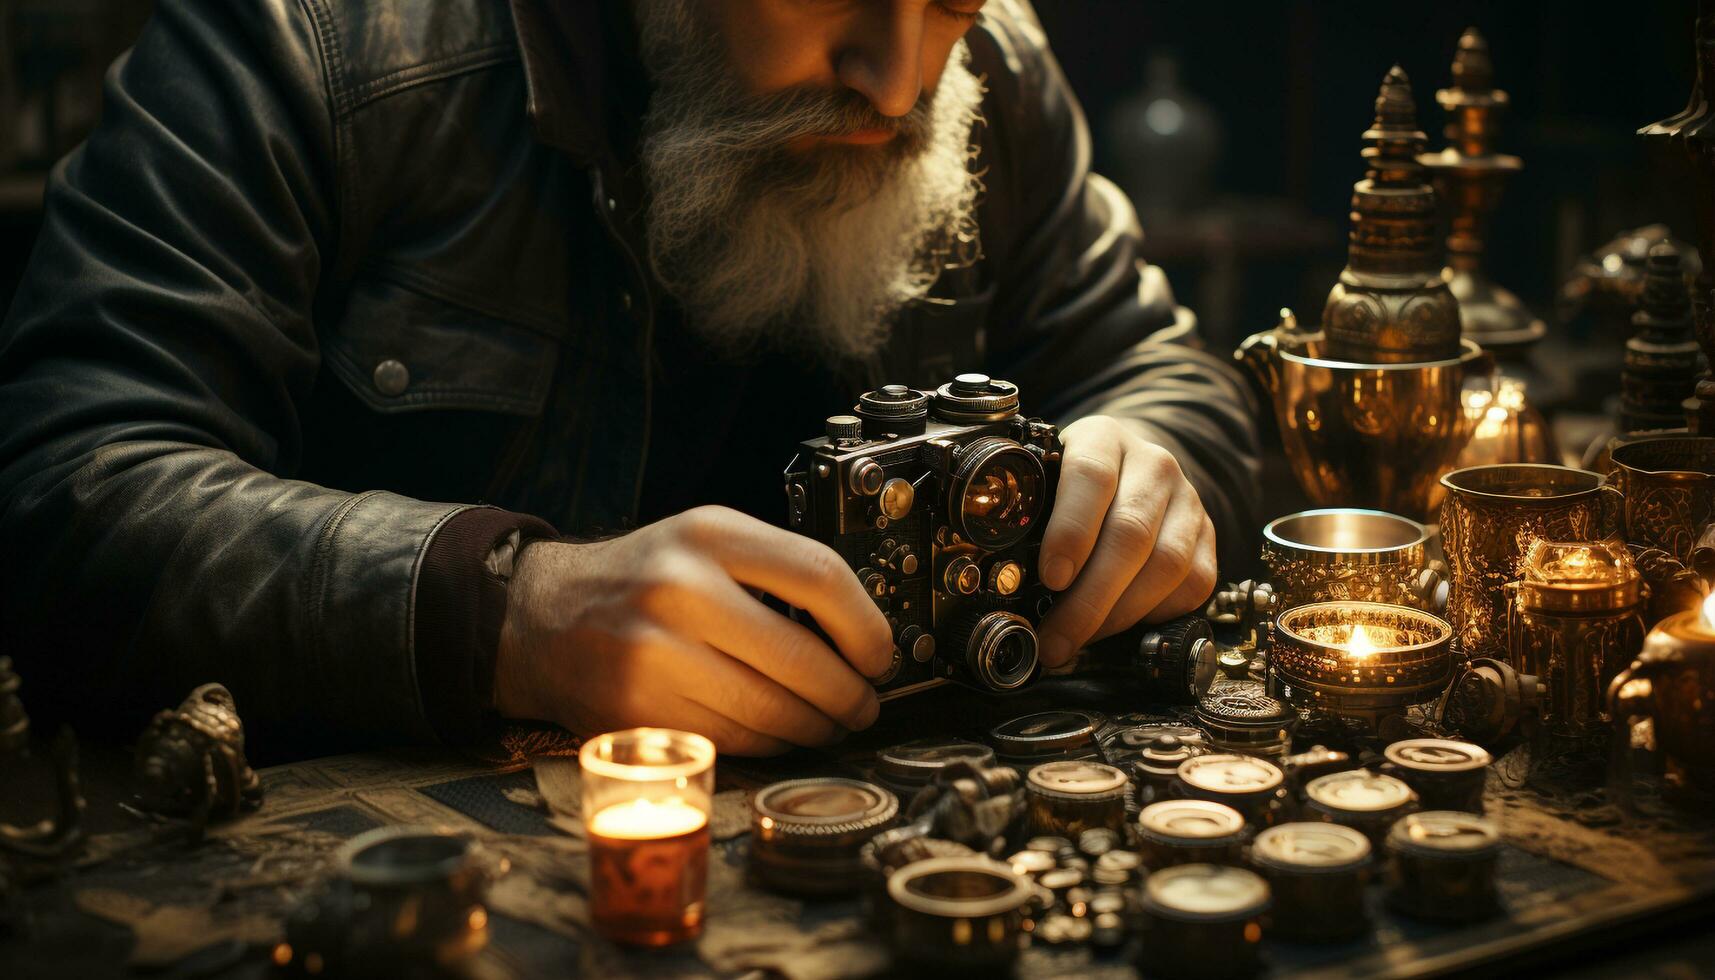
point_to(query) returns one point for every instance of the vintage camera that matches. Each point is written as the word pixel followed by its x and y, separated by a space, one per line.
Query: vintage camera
pixel 937 501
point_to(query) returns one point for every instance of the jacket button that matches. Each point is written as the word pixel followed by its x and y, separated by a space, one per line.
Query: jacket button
pixel 625 300
pixel 391 377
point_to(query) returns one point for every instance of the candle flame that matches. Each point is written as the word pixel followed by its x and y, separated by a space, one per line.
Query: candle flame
pixel 1360 645
pixel 1709 612
pixel 1577 560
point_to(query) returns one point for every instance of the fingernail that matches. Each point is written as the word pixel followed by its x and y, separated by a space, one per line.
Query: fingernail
pixel 1057 574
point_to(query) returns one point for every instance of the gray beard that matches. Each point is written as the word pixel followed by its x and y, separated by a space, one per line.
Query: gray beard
pixel 817 250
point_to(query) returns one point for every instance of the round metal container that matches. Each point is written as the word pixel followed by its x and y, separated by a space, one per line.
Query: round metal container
pixel 1175 832
pixel 1025 741
pixel 1441 865
pixel 1254 787
pixel 1445 774
pixel 907 768
pixel 1243 718
pixel 1203 920
pixel 807 834
pixel 1316 873
pixel 1346 553
pixel 1068 798
pixel 1365 801
pixel 957 914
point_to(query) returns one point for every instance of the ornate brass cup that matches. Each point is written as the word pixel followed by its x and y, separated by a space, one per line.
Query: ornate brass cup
pixel 1366 435
pixel 1491 515
pixel 1577 619
pixel 1672 683
pixel 1345 553
pixel 1669 486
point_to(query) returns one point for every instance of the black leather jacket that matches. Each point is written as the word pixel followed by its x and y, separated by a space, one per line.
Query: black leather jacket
pixel 327 263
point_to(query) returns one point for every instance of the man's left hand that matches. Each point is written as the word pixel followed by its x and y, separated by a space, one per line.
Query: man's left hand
pixel 1128 539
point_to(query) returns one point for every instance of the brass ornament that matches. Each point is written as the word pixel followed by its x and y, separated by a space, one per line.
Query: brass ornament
pixel 190 762
pixel 1469 175
pixel 1390 304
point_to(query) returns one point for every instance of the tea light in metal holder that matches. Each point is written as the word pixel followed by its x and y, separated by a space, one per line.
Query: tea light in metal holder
pixel 1576 621
pixel 1347 554
pixel 1361 661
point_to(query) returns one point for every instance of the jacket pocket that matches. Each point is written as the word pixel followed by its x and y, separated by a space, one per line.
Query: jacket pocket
pixel 402 351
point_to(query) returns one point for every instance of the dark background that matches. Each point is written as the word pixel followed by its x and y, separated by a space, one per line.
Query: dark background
pixel 1293 85
pixel 1290 86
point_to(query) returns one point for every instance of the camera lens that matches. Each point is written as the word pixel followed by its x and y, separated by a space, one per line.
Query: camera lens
pixel 998 490
pixel 1001 651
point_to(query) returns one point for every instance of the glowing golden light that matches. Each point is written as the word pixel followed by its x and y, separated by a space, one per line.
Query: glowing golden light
pixel 1360 645
pixel 1709 612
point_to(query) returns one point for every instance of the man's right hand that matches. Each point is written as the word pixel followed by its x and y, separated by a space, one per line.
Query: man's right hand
pixel 663 627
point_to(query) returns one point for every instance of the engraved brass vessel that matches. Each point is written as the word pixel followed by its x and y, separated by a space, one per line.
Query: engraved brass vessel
pixel 1366 435
pixel 1491 515
pixel 1348 553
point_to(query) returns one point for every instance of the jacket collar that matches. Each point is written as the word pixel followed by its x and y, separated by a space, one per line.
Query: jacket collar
pixel 585 88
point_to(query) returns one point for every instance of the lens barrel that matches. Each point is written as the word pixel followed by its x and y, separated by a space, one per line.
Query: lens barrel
pixel 997 650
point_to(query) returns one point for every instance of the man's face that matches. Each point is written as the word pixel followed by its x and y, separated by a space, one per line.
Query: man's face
pixel 888 51
pixel 808 162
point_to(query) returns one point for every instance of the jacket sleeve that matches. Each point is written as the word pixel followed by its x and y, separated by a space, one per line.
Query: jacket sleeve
pixel 1077 314
pixel 152 370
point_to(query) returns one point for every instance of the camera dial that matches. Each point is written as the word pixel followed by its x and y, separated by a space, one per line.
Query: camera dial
pixel 976 398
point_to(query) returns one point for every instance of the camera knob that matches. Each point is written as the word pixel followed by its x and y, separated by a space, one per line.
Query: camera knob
pixel 873 582
pixel 843 427
pixel 901 559
pixel 962 576
pixel 866 477
pixel 971 384
pixel 1005 577
pixel 919 644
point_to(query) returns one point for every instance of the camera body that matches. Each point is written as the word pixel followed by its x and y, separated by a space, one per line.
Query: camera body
pixel 937 501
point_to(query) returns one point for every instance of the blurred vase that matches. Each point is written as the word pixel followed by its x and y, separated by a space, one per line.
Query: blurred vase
pixel 1507 428
pixel 1166 144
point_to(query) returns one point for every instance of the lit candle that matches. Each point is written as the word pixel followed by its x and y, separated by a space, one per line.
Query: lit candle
pixel 1360 645
pixel 647 820
pixel 646 803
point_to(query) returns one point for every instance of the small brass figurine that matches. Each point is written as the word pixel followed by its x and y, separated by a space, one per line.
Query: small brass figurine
pixel 190 762
pixel 1390 305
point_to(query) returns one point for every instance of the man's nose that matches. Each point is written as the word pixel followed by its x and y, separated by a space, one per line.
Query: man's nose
pixel 884 60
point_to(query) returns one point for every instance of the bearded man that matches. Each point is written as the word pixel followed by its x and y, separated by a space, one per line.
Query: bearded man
pixel 586 271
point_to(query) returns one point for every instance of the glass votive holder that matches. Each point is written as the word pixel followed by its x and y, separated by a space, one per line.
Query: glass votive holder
pixel 646 804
